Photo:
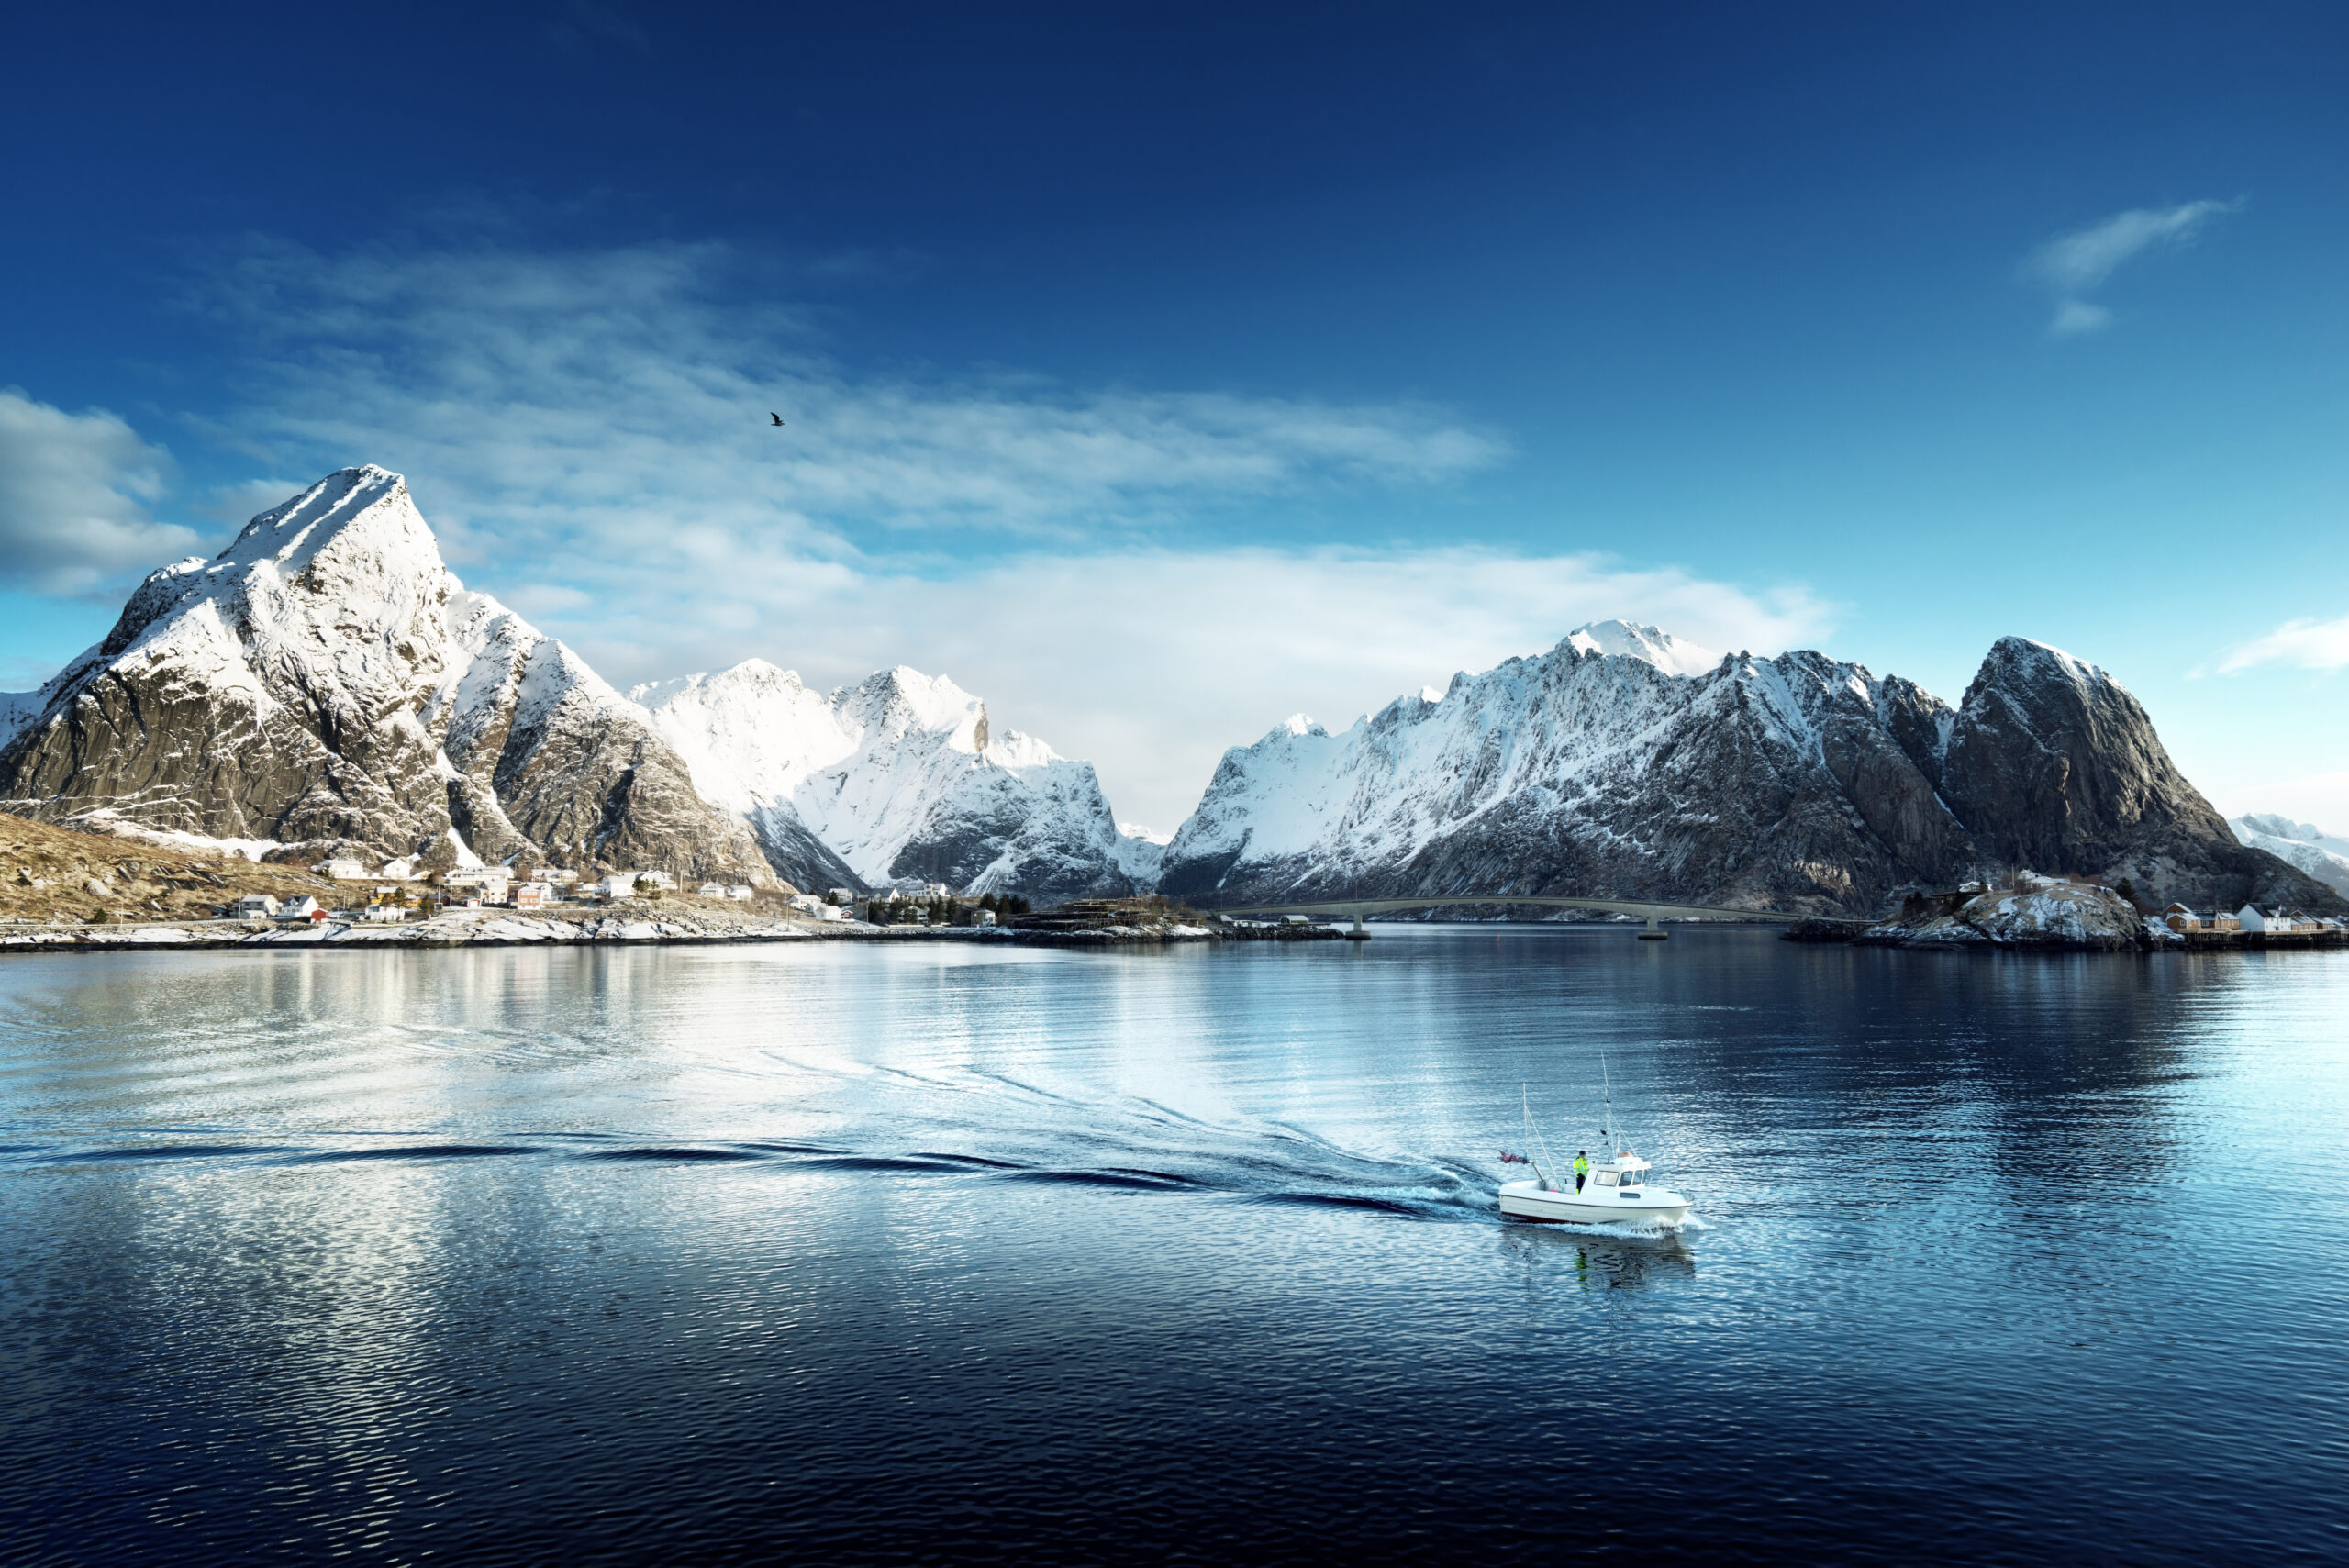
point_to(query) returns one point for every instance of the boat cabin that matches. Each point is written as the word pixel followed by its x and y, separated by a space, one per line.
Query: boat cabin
pixel 1623 1170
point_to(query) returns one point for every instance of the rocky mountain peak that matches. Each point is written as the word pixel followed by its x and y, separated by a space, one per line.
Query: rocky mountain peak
pixel 368 502
pixel 1651 645
pixel 325 684
pixel 1797 782
pixel 2052 762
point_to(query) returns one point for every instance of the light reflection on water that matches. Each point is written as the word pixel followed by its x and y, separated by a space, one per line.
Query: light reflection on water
pixel 927 1251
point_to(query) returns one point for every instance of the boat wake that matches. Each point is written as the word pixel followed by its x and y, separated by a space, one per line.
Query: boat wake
pixel 810 1111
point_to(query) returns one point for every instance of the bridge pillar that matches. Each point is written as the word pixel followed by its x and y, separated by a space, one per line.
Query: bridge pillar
pixel 1358 934
pixel 1656 931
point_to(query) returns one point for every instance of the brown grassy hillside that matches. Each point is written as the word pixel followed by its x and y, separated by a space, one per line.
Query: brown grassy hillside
pixel 47 874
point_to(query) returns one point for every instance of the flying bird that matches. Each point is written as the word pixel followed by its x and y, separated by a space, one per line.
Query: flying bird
pixel 776 417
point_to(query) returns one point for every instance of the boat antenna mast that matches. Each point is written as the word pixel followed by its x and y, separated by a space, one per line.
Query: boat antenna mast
pixel 1607 1093
pixel 1533 1140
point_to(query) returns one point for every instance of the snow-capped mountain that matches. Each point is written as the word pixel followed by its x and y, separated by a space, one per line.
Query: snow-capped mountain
pixel 1673 655
pixel 900 776
pixel 2323 855
pixel 1799 781
pixel 325 684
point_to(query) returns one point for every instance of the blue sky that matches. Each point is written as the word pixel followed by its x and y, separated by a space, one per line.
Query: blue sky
pixel 1157 372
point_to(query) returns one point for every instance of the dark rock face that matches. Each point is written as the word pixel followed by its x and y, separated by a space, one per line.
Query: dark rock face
pixel 1796 783
pixel 997 828
pixel 327 686
pixel 798 856
pixel 2053 765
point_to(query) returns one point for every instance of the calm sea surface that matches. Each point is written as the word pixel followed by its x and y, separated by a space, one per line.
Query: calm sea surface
pixel 861 1253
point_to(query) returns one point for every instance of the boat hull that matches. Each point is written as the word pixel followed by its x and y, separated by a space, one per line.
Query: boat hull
pixel 1527 1200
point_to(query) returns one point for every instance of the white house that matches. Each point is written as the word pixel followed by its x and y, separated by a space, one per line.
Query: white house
pixel 808 904
pixel 296 910
pixel 343 870
pixel 739 891
pixel 2274 922
pixel 400 870
pixel 711 890
pixel 843 897
pixel 619 884
pixel 489 884
pixel 660 879
pixel 383 914
pixel 254 906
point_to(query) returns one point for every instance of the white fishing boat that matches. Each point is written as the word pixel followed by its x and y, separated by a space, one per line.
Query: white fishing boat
pixel 1616 1190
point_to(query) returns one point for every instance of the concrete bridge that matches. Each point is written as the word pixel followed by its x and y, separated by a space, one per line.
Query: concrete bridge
pixel 1654 913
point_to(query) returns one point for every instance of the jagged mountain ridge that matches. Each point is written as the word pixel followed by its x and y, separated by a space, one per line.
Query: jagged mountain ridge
pixel 327 685
pixel 1795 783
pixel 900 776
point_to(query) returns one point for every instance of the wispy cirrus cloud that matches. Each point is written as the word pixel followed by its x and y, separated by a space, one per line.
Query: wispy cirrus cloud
pixel 620 395
pixel 75 494
pixel 589 435
pixel 2073 266
pixel 2308 644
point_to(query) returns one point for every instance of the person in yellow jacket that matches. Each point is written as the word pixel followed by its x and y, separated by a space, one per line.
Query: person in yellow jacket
pixel 1581 1168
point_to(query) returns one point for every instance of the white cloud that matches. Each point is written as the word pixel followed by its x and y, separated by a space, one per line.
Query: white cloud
pixel 2074 265
pixel 603 400
pixel 74 493
pixel 2309 644
pixel 589 435
pixel 2074 317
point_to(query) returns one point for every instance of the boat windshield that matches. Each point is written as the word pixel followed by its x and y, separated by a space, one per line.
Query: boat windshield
pixel 1633 1178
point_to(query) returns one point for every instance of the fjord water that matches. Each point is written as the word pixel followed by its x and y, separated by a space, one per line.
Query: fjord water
pixel 906 1252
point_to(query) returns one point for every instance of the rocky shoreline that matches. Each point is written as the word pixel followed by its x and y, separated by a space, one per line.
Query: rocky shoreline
pixel 488 927
pixel 2041 914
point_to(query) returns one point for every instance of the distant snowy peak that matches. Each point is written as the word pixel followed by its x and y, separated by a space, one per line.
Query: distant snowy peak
pixel 899 777
pixel 2275 826
pixel 1142 852
pixel 751 735
pixel 902 701
pixel 1628 640
pixel 2303 844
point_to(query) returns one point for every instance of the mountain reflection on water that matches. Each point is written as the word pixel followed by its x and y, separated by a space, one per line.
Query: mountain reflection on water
pixel 924 1252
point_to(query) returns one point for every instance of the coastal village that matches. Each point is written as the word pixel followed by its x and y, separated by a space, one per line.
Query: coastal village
pixel 62 887
pixel 66 888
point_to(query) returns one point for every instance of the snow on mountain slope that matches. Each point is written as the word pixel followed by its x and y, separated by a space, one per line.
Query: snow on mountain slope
pixel 1140 851
pixel 325 683
pixel 900 776
pixel 1673 655
pixel 2321 854
pixel 1793 783
pixel 1573 771
pixel 16 710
